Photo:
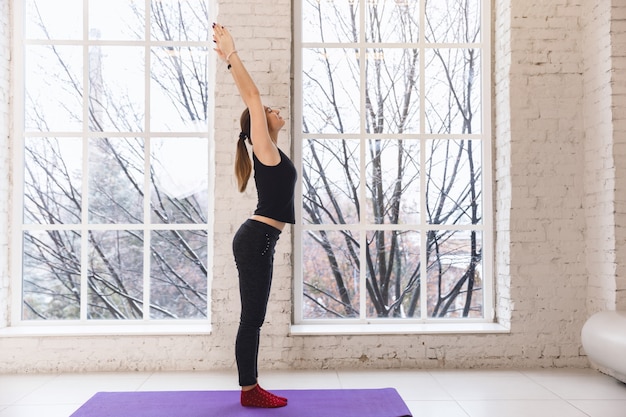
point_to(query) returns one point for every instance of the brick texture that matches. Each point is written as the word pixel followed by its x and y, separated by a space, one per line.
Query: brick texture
pixel 558 113
pixel 599 162
pixel 5 61
pixel 618 84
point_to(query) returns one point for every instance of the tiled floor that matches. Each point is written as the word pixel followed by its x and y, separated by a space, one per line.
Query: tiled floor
pixel 442 393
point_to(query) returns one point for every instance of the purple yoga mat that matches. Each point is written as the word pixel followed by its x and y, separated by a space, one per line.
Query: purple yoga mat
pixel 385 402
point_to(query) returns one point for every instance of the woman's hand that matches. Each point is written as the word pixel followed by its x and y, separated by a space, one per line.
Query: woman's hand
pixel 223 40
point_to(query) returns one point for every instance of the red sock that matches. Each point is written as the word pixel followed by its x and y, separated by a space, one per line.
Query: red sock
pixel 258 397
pixel 277 396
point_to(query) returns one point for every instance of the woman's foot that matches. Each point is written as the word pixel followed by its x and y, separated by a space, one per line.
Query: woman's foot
pixel 258 397
pixel 277 396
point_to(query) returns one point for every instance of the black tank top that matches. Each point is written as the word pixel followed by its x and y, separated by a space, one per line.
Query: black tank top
pixel 275 189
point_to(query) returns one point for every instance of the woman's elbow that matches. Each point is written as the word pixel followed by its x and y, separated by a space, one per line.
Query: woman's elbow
pixel 252 95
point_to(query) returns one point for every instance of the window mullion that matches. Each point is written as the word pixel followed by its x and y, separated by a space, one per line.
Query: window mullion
pixel 362 149
pixel 17 239
pixel 487 179
pixel 299 232
pixel 423 223
pixel 84 227
pixel 147 231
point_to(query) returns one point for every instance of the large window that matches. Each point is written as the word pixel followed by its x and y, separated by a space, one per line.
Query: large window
pixel 112 175
pixel 393 135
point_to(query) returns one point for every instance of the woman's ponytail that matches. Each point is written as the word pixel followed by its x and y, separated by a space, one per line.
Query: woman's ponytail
pixel 243 165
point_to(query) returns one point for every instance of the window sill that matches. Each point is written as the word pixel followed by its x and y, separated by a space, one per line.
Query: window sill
pixel 81 330
pixel 397 329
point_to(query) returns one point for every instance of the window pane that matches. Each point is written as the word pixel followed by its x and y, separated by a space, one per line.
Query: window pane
pixel 179 89
pixel 116 88
pixel 52 180
pixel 51 275
pixel 58 19
pixel 116 179
pixel 393 181
pixel 330 91
pixel 330 267
pixel 392 21
pixel 453 91
pixel 53 88
pixel 392 102
pixel 180 20
pixel 454 182
pixel 330 176
pixel 116 19
pixel 393 274
pixel 453 21
pixel 406 88
pixel 330 21
pixel 115 274
pixel 455 274
pixel 178 274
pixel 180 177
pixel 89 66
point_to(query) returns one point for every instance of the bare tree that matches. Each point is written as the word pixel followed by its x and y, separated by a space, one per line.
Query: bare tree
pixel 116 177
pixel 331 167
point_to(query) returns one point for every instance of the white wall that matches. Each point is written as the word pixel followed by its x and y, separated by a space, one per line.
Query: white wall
pixel 542 198
pixel 618 82
pixel 599 162
pixel 546 243
pixel 605 154
pixel 5 40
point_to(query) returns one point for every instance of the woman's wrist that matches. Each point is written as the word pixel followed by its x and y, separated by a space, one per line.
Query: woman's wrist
pixel 234 51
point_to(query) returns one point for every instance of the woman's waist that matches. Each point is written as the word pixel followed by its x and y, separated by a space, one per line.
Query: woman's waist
pixel 269 221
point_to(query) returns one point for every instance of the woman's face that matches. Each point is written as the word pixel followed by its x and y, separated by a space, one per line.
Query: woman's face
pixel 274 121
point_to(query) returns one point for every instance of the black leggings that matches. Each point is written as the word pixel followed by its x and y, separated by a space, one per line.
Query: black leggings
pixel 253 247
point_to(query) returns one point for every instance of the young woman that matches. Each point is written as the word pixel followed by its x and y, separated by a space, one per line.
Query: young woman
pixel 254 242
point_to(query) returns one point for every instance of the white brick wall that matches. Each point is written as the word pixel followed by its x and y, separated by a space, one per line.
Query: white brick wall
pixel 5 40
pixel 618 82
pixel 599 171
pixel 263 34
pixel 605 173
pixel 546 270
pixel 544 90
pixel 503 177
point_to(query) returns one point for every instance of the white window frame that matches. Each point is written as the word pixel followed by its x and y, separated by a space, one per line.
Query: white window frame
pixel 84 326
pixel 424 324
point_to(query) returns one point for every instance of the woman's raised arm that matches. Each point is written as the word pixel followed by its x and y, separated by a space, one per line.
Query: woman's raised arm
pixel 262 143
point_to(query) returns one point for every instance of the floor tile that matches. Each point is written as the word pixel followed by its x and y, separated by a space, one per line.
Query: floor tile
pixel 601 408
pixel 436 393
pixel 411 385
pixel 190 381
pixel 15 387
pixel 299 380
pixel 39 410
pixel 491 385
pixel 579 384
pixel 78 388
pixel 521 408
pixel 435 408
